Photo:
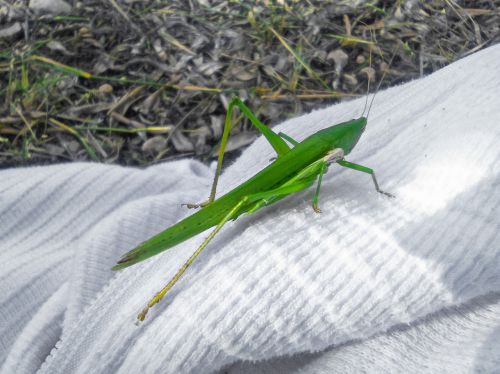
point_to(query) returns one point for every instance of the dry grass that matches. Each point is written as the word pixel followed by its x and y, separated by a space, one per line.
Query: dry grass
pixel 140 82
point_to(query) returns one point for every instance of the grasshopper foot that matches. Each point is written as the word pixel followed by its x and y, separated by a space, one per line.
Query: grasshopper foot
pixel 196 206
pixel 142 316
pixel 316 208
pixel 386 193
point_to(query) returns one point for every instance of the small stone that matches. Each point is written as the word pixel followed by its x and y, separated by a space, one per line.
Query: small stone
pixel 11 31
pixel 360 59
pixel 54 150
pixel 350 80
pixel 156 144
pixel 105 88
pixel 84 32
pixel 320 55
pixel 72 146
pixel 340 59
pixel 398 14
pixel 50 6
pixel 370 73
pixel 160 50
pixel 57 46
pixel 384 67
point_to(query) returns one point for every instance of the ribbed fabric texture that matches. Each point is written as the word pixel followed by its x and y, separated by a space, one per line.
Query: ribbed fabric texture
pixel 372 284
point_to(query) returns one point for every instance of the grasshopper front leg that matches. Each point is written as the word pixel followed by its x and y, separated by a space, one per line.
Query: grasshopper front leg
pixel 334 155
pixel 364 169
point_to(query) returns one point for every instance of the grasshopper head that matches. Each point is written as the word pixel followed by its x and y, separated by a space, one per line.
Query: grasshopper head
pixel 353 133
pixel 345 135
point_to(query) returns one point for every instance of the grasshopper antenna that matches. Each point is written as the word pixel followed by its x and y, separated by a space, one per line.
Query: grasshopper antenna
pixel 381 80
pixel 368 85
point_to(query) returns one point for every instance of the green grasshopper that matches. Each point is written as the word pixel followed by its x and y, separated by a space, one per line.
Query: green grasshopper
pixel 294 170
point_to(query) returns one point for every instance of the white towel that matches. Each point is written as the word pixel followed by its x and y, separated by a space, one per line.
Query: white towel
pixel 372 284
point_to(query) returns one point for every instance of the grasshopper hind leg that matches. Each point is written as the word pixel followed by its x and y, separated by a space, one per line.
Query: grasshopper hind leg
pixel 156 299
pixel 247 204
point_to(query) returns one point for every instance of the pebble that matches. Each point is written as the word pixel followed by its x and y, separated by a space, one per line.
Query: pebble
pixel 11 31
pixel 105 88
pixel 340 59
pixel 360 59
pixel 50 6
pixel 155 144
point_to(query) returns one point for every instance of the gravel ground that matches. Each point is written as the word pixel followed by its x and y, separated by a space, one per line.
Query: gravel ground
pixel 139 82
